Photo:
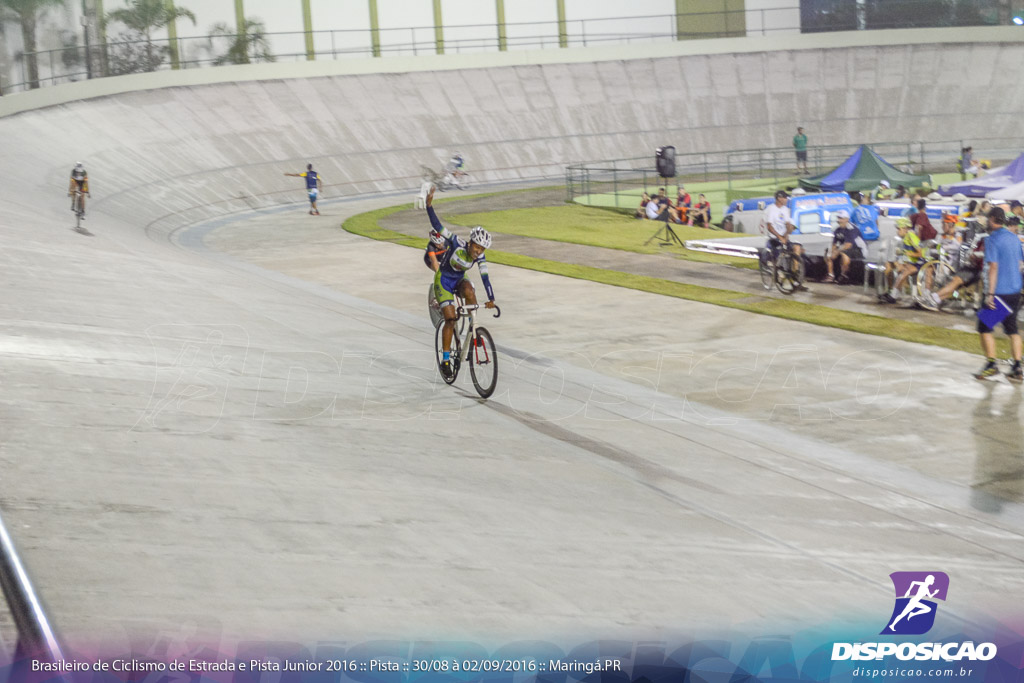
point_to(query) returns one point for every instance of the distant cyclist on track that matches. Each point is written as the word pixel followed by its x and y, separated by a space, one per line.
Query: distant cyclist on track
pixel 79 183
pixel 437 245
pixel 450 277
pixel 313 184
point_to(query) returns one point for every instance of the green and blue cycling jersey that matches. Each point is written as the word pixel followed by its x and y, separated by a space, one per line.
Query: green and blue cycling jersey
pixel 455 263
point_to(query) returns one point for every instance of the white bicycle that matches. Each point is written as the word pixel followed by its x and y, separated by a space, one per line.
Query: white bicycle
pixel 474 346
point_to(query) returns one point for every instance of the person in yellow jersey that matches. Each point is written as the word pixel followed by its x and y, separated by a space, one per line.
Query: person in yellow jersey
pixel 79 184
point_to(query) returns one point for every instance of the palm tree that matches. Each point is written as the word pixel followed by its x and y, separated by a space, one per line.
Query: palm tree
pixel 146 16
pixel 26 12
pixel 249 46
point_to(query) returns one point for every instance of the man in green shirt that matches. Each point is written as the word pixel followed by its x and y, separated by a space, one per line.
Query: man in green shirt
pixel 800 145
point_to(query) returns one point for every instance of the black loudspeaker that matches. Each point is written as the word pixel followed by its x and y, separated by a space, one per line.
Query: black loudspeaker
pixel 665 160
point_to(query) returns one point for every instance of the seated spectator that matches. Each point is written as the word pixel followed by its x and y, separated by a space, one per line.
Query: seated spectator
pixel 901 192
pixel 968 272
pixel 660 208
pixel 949 240
pixel 1016 209
pixel 642 211
pixel 844 248
pixel 908 261
pixel 683 204
pixel 984 208
pixel 922 225
pixel 701 213
pixel 880 191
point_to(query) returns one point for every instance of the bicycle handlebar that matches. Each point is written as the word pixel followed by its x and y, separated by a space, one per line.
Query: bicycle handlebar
pixel 473 307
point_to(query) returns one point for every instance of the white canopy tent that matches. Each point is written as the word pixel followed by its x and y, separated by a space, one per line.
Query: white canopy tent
pixel 1006 194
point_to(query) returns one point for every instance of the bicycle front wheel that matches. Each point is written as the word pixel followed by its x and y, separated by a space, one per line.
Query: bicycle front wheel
pixel 455 358
pixel 767 269
pixel 483 362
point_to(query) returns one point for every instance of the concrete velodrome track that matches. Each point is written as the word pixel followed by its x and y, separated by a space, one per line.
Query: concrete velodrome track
pixel 233 420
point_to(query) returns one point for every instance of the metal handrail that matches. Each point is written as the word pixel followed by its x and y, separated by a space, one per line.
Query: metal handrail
pixel 772 163
pixel 553 34
pixel 35 635
pixel 539 34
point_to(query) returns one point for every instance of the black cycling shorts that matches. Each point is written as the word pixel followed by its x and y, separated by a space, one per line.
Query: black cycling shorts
pixel 969 276
pixel 853 253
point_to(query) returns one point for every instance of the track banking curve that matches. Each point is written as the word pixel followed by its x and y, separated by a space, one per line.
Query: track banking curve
pixel 223 412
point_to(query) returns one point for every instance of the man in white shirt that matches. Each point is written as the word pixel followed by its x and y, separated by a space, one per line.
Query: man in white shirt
pixel 778 223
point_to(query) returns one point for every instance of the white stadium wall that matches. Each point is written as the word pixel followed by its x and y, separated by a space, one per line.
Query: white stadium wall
pixel 171 148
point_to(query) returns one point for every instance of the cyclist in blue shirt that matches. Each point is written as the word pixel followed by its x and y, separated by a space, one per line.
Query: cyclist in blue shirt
pixel 458 259
pixel 313 183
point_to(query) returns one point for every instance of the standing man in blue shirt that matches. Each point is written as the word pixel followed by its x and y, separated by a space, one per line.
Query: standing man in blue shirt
pixel 1003 256
pixel 312 186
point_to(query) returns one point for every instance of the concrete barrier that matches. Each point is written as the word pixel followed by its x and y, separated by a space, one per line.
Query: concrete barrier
pixel 167 149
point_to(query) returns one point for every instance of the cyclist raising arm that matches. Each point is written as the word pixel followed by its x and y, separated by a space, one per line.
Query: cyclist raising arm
pixel 450 277
pixel 79 183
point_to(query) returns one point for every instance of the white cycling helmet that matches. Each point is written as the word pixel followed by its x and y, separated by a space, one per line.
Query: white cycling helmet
pixel 78 164
pixel 480 236
pixel 436 238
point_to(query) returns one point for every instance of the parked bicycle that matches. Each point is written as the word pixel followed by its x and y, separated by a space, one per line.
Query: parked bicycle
pixel 475 347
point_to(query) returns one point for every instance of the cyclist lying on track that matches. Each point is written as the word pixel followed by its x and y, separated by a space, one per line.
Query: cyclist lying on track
pixel 450 278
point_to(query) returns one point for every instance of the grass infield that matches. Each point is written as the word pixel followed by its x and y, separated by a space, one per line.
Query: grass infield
pixel 367 225
pixel 592 227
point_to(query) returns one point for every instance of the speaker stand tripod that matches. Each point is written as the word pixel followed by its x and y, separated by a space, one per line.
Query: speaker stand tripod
pixel 666 236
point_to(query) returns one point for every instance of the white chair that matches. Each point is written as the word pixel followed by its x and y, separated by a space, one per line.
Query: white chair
pixel 421 198
pixel 874 272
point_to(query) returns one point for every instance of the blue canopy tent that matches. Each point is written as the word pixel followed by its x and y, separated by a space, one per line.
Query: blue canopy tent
pixel 996 179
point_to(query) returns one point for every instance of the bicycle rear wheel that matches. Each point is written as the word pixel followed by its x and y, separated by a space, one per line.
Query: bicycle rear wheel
pixel 932 277
pixel 767 269
pixel 456 356
pixel 483 362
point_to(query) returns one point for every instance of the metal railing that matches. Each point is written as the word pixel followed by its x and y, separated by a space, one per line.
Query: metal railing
pixel 77 62
pixel 624 177
pixel 36 637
